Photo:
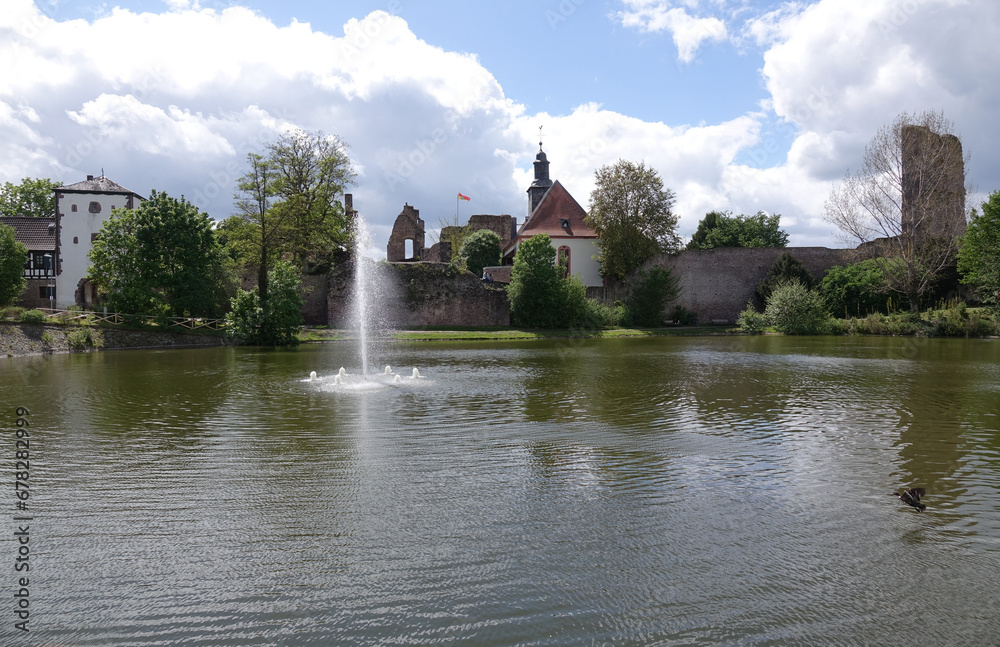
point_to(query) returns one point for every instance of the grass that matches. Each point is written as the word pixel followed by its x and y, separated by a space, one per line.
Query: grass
pixel 511 334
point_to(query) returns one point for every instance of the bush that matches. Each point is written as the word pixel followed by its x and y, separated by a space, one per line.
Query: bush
pixel 656 287
pixel 32 316
pixel 786 268
pixel 14 312
pixel 480 249
pixel 683 316
pixel 856 290
pixel 275 323
pixel 751 322
pixel 794 309
pixel 536 294
pixel 84 338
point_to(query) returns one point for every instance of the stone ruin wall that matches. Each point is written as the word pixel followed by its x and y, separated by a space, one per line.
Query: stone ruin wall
pixel 717 284
pixel 419 294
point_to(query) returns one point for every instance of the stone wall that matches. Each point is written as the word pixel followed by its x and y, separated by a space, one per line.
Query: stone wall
pixel 313 291
pixel 418 294
pixel 716 284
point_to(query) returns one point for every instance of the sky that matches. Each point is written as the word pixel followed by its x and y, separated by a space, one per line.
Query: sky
pixel 739 105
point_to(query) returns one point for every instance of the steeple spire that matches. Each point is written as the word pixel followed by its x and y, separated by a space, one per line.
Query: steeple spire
pixel 542 183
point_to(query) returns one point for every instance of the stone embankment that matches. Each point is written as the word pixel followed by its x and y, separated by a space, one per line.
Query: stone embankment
pixel 18 339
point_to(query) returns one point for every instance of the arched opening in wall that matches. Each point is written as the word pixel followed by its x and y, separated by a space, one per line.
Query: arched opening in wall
pixel 408 249
pixel 563 260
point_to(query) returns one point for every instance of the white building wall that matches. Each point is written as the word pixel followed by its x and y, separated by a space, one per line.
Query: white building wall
pixel 581 255
pixel 76 229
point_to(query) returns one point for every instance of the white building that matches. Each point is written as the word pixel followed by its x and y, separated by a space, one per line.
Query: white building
pixel 81 209
pixel 553 211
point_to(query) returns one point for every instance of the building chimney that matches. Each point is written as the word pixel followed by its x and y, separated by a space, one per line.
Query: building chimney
pixel 90 177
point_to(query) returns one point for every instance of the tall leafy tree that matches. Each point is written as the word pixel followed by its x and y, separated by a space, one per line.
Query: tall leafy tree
pixel 311 171
pixel 535 291
pixel 979 255
pixel 631 212
pixel 726 230
pixel 161 258
pixel 32 197
pixel 905 206
pixel 13 256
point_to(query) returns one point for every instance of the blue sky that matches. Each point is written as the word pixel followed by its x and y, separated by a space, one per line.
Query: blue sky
pixel 738 104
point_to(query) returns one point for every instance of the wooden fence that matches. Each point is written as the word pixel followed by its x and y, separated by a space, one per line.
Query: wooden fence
pixel 190 323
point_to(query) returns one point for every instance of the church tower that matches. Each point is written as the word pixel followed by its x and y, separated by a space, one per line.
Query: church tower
pixel 542 182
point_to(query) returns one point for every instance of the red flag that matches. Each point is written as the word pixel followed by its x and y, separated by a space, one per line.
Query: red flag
pixel 463 197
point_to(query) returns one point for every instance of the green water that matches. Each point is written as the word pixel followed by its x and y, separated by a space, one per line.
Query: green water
pixel 697 491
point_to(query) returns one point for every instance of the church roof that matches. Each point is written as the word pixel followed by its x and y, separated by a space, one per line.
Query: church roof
pixel 559 215
pixel 96 185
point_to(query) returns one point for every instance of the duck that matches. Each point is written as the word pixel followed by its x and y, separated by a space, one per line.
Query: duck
pixel 911 497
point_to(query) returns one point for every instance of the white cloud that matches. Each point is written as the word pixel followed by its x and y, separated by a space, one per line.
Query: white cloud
pixel 687 31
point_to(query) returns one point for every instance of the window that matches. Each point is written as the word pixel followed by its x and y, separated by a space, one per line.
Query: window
pixel 93 237
pixel 95 207
pixel 76 240
pixel 563 260
pixel 73 208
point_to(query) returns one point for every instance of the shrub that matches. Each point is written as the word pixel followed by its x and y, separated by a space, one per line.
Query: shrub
pixel 84 338
pixel 657 286
pixel 536 294
pixel 275 323
pixel 750 321
pixel 480 249
pixel 32 316
pixel 786 268
pixel 794 309
pixel 856 290
pixel 13 312
pixel 683 316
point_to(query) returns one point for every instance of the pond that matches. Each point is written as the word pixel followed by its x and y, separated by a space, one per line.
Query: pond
pixel 655 491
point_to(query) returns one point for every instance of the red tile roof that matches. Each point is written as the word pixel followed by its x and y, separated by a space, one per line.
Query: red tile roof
pixel 559 215
pixel 33 232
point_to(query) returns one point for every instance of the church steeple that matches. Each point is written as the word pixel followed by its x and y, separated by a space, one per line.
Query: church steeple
pixel 542 182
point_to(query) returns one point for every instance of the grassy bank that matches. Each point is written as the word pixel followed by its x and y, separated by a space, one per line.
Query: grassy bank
pixel 512 334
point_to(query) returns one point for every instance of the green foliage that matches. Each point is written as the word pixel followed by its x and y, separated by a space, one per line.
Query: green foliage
pixel 751 321
pixel 718 229
pixel 656 287
pixel 786 268
pixel 287 206
pixel 631 212
pixel 274 322
pixel 32 197
pixel 13 256
pixel 794 309
pixel 480 249
pixel 856 290
pixel 683 316
pixel 161 259
pixel 535 291
pixel 979 254
pixel 32 316
pixel 83 338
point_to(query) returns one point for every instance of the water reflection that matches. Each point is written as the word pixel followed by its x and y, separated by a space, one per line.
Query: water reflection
pixel 648 491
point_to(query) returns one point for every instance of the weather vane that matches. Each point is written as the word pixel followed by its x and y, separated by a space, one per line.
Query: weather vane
pixel 540 138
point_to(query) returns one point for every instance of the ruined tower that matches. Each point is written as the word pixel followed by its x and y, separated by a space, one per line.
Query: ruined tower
pixel 933 200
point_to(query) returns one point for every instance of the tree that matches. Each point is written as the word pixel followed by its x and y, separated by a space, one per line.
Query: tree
pixel 726 230
pixel 906 203
pixel 656 287
pixel 287 204
pixel 534 290
pixel 13 256
pixel 794 309
pixel 481 249
pixel 32 197
pixel 979 255
pixel 274 323
pixel 855 290
pixel 786 268
pixel 161 258
pixel 311 171
pixel 631 213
